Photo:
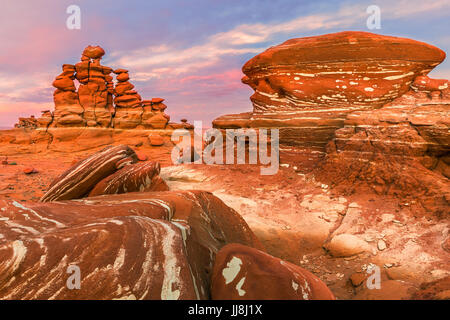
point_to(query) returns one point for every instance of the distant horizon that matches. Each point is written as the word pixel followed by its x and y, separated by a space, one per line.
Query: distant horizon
pixel 190 54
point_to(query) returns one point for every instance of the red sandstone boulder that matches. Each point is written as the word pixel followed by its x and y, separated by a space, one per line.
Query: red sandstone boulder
pixel 119 71
pixel 29 170
pixel 93 52
pixel 122 77
pixel 157 245
pixel 79 180
pixel 340 69
pixel 155 140
pixel 244 273
pixel 141 156
pixel 64 83
pixel 136 177
pixel 111 265
pixel 157 100
pixel 122 87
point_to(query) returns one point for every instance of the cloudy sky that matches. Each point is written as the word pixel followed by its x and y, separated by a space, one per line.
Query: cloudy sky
pixel 188 52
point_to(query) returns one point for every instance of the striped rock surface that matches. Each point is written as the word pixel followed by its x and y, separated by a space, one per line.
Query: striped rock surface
pixel 79 180
pixel 157 245
pixel 336 70
pixel 306 87
pixel 244 273
pixel 206 224
pixel 140 177
pixel 121 258
pixel 401 149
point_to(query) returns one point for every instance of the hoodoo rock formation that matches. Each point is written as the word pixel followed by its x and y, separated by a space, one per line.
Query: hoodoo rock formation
pixel 94 101
pixel 307 86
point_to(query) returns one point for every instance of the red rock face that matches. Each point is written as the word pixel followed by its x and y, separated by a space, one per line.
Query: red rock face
pixel 337 70
pixel 83 176
pixel 130 246
pixel 243 273
pixel 424 83
pixel 306 87
pixel 132 178
pixel 401 149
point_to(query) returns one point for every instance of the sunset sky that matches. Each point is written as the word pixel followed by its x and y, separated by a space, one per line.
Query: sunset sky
pixel 188 52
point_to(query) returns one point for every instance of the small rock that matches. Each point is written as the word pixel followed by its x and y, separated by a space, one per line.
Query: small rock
pixel 345 245
pixel 353 205
pixel 29 170
pixel 381 245
pixel 156 140
pixel 357 278
pixel 141 156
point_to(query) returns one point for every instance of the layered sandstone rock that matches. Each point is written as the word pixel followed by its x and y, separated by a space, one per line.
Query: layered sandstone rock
pixel 307 86
pixel 132 178
pixel 94 92
pixel 401 147
pixel 30 123
pixel 131 246
pixel 96 102
pixel 81 178
pixel 244 273
pixel 68 111
pixel 128 102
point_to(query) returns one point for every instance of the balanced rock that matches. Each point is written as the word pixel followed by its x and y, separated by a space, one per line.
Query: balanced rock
pixel 93 52
pixel 307 86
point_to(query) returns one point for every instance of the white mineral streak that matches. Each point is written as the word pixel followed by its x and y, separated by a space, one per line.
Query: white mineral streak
pixel 185 231
pixel 239 287
pixel 120 259
pixel 171 267
pixel 20 206
pixel 399 76
pixel 232 269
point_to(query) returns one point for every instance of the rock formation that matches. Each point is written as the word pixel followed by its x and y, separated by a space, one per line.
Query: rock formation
pixel 307 86
pixel 84 175
pixel 363 102
pixel 132 246
pixel 244 273
pixel 96 102
pixel 30 123
pixel 400 148
pixel 133 178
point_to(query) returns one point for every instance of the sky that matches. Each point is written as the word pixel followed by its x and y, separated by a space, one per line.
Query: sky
pixel 188 52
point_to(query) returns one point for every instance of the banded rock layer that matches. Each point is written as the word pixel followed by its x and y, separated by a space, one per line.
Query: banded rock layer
pixel 307 86
pixel 78 180
pixel 131 246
